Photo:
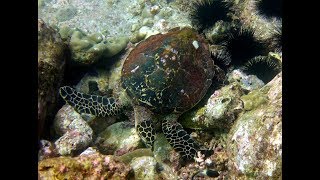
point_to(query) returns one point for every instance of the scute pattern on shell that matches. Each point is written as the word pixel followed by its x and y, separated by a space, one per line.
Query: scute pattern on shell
pixel 169 72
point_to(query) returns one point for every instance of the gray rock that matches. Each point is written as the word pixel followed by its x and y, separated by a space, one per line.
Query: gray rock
pixel 247 82
pixel 46 150
pixel 118 139
pixel 144 167
pixel 219 112
pixel 76 134
pixel 255 140
pixel 147 167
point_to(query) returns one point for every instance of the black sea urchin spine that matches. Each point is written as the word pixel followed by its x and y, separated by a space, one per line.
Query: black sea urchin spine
pixel 264 67
pixel 270 8
pixel 243 46
pixel 205 13
pixel 275 40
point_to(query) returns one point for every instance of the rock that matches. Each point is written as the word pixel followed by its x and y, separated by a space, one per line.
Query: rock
pixel 255 140
pixel 89 151
pixel 84 50
pixel 254 99
pixel 87 49
pixel 164 153
pixel 66 33
pixel 128 157
pixel 86 166
pixel 219 112
pixel 51 65
pixel 114 45
pixel 247 82
pixel 94 82
pixel 144 167
pixel 161 148
pixel 76 134
pixel 147 22
pixel 166 172
pixel 154 9
pixel 118 139
pixel 47 150
pixel 202 166
pixel 145 32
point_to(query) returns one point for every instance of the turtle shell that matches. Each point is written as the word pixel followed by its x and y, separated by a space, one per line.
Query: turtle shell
pixel 168 72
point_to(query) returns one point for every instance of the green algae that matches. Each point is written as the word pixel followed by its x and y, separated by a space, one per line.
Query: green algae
pixel 161 148
pixel 127 158
pixel 114 45
pixel 254 142
pixel 92 166
pixel 254 99
pixel 55 168
pixel 219 112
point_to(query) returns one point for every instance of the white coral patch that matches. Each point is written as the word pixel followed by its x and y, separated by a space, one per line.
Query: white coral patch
pixel 270 167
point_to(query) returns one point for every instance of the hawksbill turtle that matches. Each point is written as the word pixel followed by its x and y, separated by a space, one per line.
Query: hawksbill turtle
pixel 166 74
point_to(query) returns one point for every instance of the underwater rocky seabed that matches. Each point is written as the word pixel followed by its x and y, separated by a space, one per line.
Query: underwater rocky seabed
pixel 83 43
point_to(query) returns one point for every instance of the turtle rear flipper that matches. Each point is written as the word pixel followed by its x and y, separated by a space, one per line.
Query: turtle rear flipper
pixel 179 139
pixel 146 132
pixel 90 104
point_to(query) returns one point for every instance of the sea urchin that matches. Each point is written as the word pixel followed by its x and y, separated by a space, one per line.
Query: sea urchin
pixel 264 67
pixel 205 13
pixel 270 8
pixel 243 46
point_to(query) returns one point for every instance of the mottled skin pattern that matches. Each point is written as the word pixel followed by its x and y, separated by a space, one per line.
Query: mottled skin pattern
pixel 91 104
pixel 166 75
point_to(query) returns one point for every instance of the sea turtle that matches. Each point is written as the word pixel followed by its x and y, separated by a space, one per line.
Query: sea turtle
pixel 166 74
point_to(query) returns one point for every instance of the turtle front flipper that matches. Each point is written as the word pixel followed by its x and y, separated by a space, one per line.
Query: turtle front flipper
pixel 90 104
pixel 179 139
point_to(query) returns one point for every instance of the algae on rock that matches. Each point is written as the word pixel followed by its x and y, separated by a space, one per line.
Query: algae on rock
pixel 51 65
pixel 162 148
pixel 219 112
pixel 87 49
pixel 128 157
pixel 86 166
pixel 118 139
pixel 247 82
pixel 144 167
pixel 255 140
pixel 76 134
